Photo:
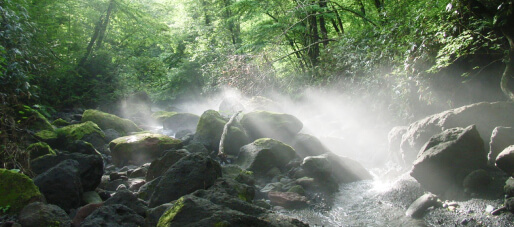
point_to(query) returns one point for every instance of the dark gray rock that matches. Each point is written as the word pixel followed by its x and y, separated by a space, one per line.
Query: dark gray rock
pixel 61 185
pixel 113 216
pixel 505 160
pixel 159 166
pixel 91 166
pixel 181 121
pixel 501 138
pixel 447 158
pixel 125 197
pixel 308 145
pixel 111 134
pixel 193 172
pixel 418 208
pixel 486 116
pixel 477 181
pixel 40 214
pixel 209 129
pixel 264 124
pixel 509 187
pixel 265 154
pixel 145 192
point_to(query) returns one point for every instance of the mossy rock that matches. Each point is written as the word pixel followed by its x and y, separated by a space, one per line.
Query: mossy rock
pixel 106 121
pixel 181 121
pixel 48 136
pixel 265 154
pixel 141 148
pixel 160 116
pixel 79 131
pixel 167 218
pixel 16 191
pixel 34 119
pixel 39 149
pixel 297 189
pixel 265 124
pixel 60 122
pixel 209 129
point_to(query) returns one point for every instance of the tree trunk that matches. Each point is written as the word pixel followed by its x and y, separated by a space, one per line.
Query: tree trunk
pixel 509 67
pixel 322 23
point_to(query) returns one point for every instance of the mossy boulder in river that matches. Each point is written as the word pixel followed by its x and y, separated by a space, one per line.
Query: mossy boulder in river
pixel 39 149
pixel 87 131
pixel 16 191
pixel 181 121
pixel 141 148
pixel 209 129
pixel 264 154
pixel 106 121
pixel 265 124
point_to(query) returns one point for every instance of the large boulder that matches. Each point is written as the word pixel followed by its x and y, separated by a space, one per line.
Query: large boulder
pixel 394 138
pixel 264 124
pixel 486 116
pixel 501 138
pixel 505 160
pixel 40 214
pixel 113 215
pixel 209 129
pixel 106 121
pixel 448 157
pixel 159 166
pixel 139 149
pixel 91 165
pixel 39 149
pixel 265 154
pixel 330 167
pixel 308 145
pixel 16 191
pixel 87 131
pixel 125 197
pixel 181 121
pixel 61 185
pixel 193 172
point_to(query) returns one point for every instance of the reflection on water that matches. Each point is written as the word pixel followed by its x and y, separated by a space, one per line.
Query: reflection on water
pixel 357 204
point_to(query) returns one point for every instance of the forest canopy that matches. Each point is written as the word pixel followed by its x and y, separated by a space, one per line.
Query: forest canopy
pixel 74 53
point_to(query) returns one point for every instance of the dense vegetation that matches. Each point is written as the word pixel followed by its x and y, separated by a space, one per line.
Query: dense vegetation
pixel 415 54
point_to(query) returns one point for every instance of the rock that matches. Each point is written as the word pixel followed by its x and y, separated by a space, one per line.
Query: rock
pixel 106 121
pixel 235 139
pixel 509 187
pixel 448 157
pixel 184 134
pixel 91 197
pixel 139 172
pixel 90 164
pixel 290 200
pixel 307 145
pixel 394 138
pixel 61 184
pixel 111 134
pixel 153 214
pixel 318 167
pixel 60 122
pixel 486 116
pixel 196 148
pixel 115 184
pixel 235 172
pixel 87 131
pixel 264 154
pixel 40 214
pixel 297 189
pixel 145 192
pixel 125 197
pixel 193 172
pixel 418 208
pixel 48 136
pixel 477 181
pixel 39 149
pixel 33 118
pixel 160 116
pixel 83 212
pixel 264 124
pixel 113 215
pixel 159 166
pixel 17 190
pixel 209 130
pixel 505 160
pixel 141 148
pixel 330 167
pixel 181 121
pixel 501 138
pixel 509 204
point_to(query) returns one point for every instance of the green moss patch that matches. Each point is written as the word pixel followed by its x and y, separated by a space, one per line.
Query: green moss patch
pixel 168 216
pixel 160 116
pixel 39 149
pixel 78 131
pixel 141 148
pixel 16 191
pixel 35 120
pixel 60 122
pixel 106 121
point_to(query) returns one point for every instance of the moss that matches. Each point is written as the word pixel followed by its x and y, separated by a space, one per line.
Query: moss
pixel 47 135
pixel 34 119
pixel 209 129
pixel 222 224
pixel 60 122
pixel 168 216
pixel 297 189
pixel 78 131
pixel 39 149
pixel 141 147
pixel 106 121
pixel 160 116
pixel 16 191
